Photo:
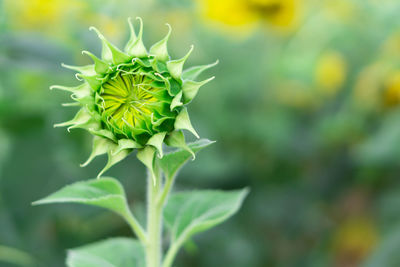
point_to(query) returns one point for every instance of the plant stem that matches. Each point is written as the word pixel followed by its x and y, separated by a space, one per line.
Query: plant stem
pixel 173 250
pixel 169 258
pixel 165 191
pixel 154 222
pixel 136 227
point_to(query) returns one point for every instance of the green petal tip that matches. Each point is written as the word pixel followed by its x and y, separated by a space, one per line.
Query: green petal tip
pixel 175 67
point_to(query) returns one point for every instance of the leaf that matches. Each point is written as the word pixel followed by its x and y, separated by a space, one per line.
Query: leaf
pixel 15 256
pixel 173 161
pixel 189 213
pixel 105 192
pixel 114 252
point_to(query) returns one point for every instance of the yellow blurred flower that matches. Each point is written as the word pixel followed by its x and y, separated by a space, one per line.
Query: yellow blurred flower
pixel 392 89
pixel 41 15
pixel 246 14
pixel 229 12
pixel 367 90
pixel 378 84
pixel 354 240
pixel 330 73
pixel 280 13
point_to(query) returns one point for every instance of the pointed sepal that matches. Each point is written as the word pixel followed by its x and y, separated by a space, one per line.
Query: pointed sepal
pixel 113 159
pixel 190 89
pixel 147 156
pixel 177 139
pixel 100 66
pixel 124 144
pixel 193 72
pixel 171 88
pixel 81 118
pixel 103 133
pixel 156 141
pixel 109 52
pixel 160 49
pixel 93 80
pixel 176 101
pixel 79 91
pixel 73 104
pixel 182 122
pixel 175 67
pixel 100 146
pixel 135 46
pixel 85 70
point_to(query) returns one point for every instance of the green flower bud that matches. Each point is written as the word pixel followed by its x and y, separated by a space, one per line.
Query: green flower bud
pixel 134 99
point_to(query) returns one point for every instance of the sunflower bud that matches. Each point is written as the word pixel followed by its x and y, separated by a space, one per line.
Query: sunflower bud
pixel 134 99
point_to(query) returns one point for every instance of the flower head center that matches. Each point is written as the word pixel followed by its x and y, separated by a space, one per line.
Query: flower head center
pixel 128 99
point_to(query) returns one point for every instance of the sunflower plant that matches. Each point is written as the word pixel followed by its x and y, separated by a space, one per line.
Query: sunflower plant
pixel 135 100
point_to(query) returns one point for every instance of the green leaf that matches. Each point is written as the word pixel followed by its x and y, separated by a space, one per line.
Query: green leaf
pixel 189 213
pixel 115 252
pixel 173 161
pixel 105 192
pixel 15 256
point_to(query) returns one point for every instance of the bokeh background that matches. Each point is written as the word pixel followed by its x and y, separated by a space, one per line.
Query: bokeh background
pixel 305 110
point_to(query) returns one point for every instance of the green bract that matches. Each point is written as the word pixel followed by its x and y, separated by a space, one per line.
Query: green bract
pixel 134 99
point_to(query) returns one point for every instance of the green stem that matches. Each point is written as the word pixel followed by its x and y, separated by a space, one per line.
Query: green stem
pixel 175 245
pixel 173 250
pixel 154 222
pixel 136 227
pixel 165 191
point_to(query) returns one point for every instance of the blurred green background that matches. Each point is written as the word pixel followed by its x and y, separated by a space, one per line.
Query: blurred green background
pixel 305 110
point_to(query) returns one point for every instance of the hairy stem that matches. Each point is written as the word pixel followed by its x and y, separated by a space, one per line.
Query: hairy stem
pixel 173 250
pixel 165 191
pixel 154 222
pixel 136 227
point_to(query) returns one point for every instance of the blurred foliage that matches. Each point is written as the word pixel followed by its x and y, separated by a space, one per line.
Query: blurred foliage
pixel 305 110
